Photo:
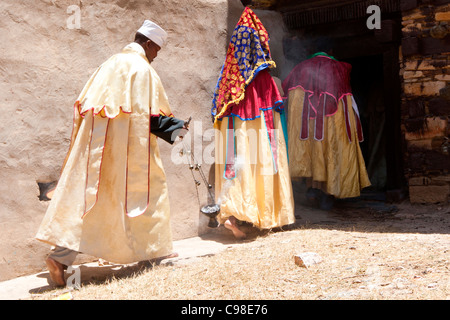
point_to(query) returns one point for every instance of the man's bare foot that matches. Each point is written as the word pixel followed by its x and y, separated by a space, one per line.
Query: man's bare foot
pixel 56 270
pixel 231 224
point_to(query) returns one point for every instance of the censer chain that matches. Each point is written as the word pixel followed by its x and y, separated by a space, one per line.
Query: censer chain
pixel 198 168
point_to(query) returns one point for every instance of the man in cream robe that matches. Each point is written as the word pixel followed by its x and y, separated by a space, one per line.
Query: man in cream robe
pixel 111 200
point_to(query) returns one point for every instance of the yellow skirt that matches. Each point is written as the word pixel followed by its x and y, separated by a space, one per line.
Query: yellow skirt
pixel 261 192
pixel 335 165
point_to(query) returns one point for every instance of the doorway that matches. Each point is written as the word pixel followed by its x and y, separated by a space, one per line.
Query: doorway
pixel 375 84
pixel 367 86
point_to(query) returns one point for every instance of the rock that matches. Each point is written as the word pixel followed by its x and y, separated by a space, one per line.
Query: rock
pixel 432 285
pixel 307 259
pixel 64 296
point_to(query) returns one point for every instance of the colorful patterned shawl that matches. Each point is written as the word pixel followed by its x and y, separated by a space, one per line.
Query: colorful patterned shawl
pixel 248 53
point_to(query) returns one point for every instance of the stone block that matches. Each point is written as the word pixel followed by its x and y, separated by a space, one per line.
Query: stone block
pixel 419 181
pixel 429 88
pixel 442 16
pixel 442 77
pixel 415 16
pixel 407 23
pixel 411 64
pixel 432 88
pixel 439 106
pixel 434 127
pixel 414 88
pixel 426 65
pixel 412 74
pixel 429 194
pixel 442 179
pixel 429 181
pixel 413 145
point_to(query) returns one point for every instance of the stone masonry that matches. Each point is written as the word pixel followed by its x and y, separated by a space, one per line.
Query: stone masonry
pixel 425 72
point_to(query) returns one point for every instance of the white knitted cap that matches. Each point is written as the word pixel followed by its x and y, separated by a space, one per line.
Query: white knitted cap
pixel 154 32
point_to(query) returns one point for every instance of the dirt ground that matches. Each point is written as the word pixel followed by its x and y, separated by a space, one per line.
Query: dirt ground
pixel 368 249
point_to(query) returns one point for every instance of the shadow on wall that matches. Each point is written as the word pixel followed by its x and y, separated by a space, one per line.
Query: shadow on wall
pixel 235 9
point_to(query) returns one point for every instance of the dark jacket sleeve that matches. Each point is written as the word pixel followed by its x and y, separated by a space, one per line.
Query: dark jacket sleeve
pixel 166 128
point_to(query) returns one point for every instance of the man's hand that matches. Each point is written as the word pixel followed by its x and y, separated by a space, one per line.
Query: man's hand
pixel 186 123
pixel 185 129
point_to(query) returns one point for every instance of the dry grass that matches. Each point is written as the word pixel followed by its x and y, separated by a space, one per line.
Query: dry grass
pixel 369 258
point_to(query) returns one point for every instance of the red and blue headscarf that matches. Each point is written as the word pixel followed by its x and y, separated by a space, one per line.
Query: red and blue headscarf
pixel 245 88
pixel 248 53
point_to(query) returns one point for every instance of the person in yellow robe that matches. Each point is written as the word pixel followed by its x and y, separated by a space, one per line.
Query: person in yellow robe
pixel 111 200
pixel 251 171
pixel 324 131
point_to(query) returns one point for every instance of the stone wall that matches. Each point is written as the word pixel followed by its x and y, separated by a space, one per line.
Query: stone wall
pixel 425 71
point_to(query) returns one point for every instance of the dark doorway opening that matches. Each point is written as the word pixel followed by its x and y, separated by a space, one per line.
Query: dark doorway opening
pixel 375 79
pixel 367 86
